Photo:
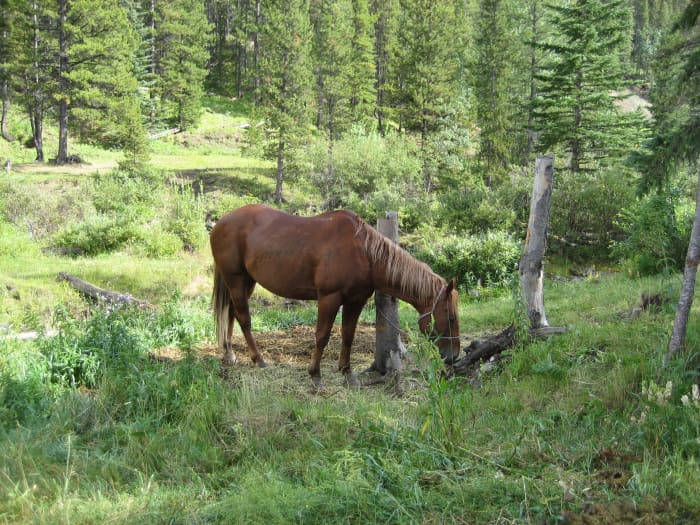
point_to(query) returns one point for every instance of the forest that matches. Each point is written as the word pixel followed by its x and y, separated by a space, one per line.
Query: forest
pixel 130 127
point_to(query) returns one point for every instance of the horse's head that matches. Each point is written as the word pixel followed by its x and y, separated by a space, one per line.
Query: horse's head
pixel 441 322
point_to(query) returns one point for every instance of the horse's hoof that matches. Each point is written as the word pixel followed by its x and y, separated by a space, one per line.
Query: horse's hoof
pixel 316 383
pixel 228 359
pixel 260 362
pixel 351 380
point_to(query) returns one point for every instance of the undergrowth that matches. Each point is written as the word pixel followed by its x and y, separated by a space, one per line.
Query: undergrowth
pixel 93 427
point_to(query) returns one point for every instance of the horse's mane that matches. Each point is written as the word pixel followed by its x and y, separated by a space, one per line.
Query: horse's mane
pixel 412 276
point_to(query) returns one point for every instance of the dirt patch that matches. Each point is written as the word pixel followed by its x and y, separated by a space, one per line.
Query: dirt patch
pixel 619 513
pixel 287 353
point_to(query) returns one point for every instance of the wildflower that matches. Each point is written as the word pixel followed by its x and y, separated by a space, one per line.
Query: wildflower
pixel 685 400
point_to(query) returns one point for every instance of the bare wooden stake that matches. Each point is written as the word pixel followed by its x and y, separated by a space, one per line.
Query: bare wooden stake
pixel 389 349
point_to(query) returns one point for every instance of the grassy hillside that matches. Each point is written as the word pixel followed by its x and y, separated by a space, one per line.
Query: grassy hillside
pixel 125 416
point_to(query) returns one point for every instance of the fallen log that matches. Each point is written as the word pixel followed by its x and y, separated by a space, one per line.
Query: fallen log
pixel 101 295
pixel 164 133
pixel 484 349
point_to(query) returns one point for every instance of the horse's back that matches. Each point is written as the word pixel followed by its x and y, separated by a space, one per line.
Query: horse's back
pixel 290 255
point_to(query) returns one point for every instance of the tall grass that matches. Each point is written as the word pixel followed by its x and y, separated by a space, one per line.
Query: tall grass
pixel 556 427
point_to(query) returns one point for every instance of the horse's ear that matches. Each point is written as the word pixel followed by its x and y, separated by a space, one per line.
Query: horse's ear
pixel 451 285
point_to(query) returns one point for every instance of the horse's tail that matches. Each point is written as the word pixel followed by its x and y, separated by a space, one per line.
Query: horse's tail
pixel 221 303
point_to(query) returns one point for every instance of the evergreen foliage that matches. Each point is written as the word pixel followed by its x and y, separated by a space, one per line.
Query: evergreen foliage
pixel 575 103
pixel 285 69
pixel 182 39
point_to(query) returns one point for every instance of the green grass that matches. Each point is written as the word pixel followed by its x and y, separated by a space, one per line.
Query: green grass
pixel 94 430
pixel 549 432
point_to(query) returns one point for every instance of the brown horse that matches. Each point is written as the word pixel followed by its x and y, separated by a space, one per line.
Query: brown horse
pixel 334 258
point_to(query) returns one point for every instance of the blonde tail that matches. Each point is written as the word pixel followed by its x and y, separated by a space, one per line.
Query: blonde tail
pixel 221 303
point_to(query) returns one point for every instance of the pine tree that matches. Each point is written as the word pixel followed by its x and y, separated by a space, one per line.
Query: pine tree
pixel 384 32
pixel 494 84
pixel 333 64
pixel 361 79
pixel 34 63
pixel 182 40
pixel 574 107
pixel 96 84
pixel 285 72
pixel 7 15
pixel 425 70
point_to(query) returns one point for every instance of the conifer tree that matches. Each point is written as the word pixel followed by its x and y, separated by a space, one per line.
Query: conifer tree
pixel 286 79
pixel 34 63
pixel 575 104
pixel 495 84
pixel 333 64
pixel 182 35
pixel 425 70
pixel 7 15
pixel 383 12
pixel 362 72
pixel 96 85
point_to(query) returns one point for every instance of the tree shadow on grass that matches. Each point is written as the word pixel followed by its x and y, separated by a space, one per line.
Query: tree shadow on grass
pixel 258 182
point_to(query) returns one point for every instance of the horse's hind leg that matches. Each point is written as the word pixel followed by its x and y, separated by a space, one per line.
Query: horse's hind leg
pixel 229 356
pixel 241 290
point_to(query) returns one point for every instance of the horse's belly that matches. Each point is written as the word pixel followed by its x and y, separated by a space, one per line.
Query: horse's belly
pixel 285 277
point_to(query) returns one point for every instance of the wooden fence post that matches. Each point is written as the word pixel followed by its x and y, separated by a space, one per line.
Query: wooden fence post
pixel 531 266
pixel 388 349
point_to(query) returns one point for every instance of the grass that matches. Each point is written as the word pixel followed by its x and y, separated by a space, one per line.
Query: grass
pixel 93 429
pixel 549 432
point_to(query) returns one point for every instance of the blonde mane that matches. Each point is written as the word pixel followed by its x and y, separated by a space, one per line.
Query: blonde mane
pixel 411 276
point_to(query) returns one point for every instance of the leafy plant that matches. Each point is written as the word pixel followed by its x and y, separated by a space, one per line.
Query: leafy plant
pixel 476 260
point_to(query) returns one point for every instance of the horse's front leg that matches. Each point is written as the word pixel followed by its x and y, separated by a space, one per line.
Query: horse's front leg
pixel 351 313
pixel 328 306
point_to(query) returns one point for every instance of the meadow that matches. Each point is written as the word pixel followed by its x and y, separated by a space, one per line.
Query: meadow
pixel 124 415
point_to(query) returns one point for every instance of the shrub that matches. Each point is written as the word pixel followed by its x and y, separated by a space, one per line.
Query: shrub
pixel 98 234
pixel 485 259
pixel 132 194
pixel 584 211
pixel 42 208
pixel 186 218
pixel 657 234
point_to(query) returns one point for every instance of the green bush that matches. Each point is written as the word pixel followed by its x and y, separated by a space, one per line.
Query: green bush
pixel 98 234
pixel 584 211
pixel 43 208
pixel 133 194
pixel 485 259
pixel 657 233
pixel 186 217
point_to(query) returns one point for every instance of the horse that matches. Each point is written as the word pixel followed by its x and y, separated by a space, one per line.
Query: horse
pixel 335 259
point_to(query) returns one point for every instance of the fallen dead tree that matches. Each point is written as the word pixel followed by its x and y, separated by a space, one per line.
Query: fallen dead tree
pixel 101 295
pixel 482 350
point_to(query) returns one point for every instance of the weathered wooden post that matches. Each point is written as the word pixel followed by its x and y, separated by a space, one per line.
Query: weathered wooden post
pixel 388 349
pixel 531 266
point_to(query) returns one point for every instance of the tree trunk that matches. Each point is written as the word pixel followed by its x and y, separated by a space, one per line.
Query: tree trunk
pixel 388 349
pixel 688 289
pixel 62 156
pixel 36 108
pixel 280 172
pixel 256 55
pixel 5 110
pixel 37 120
pixel 531 264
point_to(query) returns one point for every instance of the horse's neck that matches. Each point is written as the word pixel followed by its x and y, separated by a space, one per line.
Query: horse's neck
pixel 417 289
